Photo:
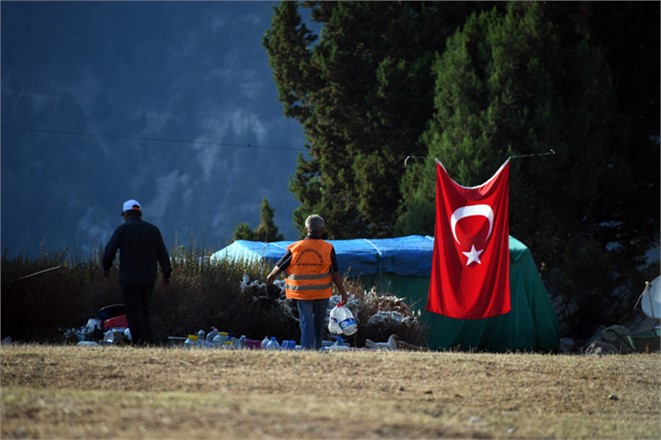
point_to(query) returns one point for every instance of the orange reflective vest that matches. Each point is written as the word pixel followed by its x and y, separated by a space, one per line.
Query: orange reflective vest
pixel 309 273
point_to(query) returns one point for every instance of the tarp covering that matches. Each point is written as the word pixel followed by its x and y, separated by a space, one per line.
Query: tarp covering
pixel 406 256
pixel 401 266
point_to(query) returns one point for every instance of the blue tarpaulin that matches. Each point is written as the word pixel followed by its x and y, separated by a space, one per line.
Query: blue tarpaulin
pixel 402 266
pixel 405 256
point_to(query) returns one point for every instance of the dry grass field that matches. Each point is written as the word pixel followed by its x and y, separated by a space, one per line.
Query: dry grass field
pixel 159 393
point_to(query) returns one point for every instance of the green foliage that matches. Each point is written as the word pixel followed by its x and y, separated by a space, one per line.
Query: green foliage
pixel 267 231
pixel 363 93
pixel 243 232
pixel 513 84
pixel 472 84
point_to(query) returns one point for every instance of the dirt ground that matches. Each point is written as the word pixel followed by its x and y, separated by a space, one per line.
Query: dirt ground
pixel 121 392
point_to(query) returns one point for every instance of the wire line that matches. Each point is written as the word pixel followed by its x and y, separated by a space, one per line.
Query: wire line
pixel 150 139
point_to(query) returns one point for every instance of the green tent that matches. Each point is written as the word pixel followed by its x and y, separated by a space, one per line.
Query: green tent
pixel 401 266
pixel 531 325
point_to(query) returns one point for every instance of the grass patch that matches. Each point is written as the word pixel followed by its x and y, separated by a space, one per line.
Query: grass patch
pixel 121 392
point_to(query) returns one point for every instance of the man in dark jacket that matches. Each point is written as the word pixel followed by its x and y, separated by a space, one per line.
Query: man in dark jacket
pixel 141 248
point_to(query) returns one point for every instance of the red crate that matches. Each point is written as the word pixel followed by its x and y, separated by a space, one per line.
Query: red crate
pixel 117 321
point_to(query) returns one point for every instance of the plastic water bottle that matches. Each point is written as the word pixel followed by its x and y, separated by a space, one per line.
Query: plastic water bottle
pixel 109 337
pixel 236 343
pixel 242 342
pixel 201 338
pixel 212 334
pixel 339 345
pixel 265 341
pixel 190 342
pixel 273 344
pixel 89 343
pixel 333 325
pixel 219 339
pixel 347 321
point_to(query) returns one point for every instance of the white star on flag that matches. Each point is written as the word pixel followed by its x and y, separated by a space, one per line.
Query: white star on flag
pixel 473 255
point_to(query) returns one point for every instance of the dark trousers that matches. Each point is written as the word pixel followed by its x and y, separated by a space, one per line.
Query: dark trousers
pixel 136 302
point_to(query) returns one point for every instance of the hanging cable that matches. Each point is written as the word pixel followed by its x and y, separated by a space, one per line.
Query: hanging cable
pixel 149 139
pixel 551 152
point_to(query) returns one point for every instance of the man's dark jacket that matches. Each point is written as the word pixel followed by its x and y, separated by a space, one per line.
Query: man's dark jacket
pixel 141 247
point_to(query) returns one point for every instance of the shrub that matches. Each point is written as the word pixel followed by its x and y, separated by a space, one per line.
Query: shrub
pixel 44 298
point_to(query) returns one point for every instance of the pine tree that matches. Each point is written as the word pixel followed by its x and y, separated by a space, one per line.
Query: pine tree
pixel 384 81
pixel 514 84
pixel 243 232
pixel 363 93
pixel 267 231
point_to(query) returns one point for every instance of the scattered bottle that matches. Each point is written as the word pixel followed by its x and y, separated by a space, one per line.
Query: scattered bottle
pixel 190 342
pixel 273 344
pixel 109 337
pixel 212 334
pixel 339 345
pixel 220 339
pixel 201 338
pixel 264 342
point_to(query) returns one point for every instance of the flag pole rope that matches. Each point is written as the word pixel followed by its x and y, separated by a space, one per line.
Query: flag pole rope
pixel 551 152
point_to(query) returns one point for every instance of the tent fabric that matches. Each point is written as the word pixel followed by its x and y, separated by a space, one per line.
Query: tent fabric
pixel 531 325
pixel 405 256
pixel 402 266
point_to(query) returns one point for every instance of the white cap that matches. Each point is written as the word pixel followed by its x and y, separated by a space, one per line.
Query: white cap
pixel 131 205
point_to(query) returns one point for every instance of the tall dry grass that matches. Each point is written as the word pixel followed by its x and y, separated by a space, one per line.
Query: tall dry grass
pixel 38 306
pixel 44 297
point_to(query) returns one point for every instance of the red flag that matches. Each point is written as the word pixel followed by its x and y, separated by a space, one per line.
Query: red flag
pixel 470 277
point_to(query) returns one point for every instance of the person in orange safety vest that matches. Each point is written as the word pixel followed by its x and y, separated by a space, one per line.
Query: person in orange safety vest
pixel 310 266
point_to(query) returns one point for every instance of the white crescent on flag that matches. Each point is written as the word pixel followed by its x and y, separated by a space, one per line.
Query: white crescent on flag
pixel 468 211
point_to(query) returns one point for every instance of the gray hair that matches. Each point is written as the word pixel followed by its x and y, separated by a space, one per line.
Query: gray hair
pixel 314 223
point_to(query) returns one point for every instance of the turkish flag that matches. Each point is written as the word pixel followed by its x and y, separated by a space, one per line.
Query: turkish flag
pixel 470 276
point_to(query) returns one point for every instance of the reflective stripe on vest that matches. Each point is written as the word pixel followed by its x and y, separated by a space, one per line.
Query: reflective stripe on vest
pixel 309 287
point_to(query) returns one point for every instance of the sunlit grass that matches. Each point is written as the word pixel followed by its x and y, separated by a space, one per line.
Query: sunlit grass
pixel 121 392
